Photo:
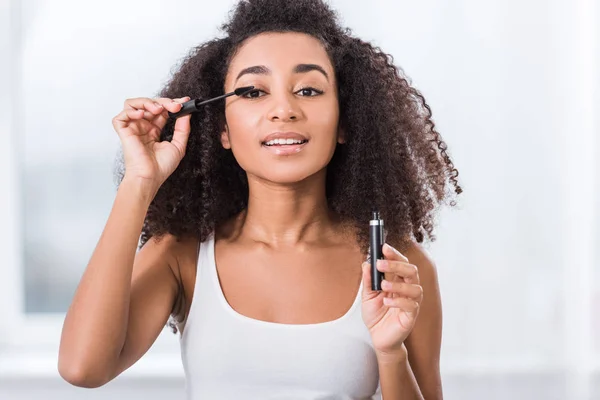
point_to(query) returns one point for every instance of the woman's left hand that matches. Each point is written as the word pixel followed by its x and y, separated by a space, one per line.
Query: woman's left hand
pixel 390 322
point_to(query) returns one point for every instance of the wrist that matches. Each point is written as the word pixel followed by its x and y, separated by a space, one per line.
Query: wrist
pixel 145 189
pixel 397 357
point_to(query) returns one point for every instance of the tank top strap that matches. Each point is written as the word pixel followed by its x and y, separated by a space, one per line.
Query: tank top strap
pixel 201 284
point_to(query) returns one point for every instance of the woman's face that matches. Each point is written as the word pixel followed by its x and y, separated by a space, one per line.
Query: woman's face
pixel 295 93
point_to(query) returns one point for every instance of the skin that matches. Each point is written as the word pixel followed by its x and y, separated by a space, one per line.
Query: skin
pixel 287 203
pixel 287 212
pixel 287 223
pixel 286 234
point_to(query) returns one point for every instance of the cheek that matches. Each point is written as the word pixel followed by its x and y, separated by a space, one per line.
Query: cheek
pixel 326 119
pixel 244 134
pixel 243 125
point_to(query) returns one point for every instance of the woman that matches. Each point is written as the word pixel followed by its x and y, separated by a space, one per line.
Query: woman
pixel 255 248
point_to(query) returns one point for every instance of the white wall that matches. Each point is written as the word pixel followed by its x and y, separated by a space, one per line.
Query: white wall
pixel 513 88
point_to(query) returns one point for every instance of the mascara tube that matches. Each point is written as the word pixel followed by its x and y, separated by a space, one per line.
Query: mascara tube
pixel 376 243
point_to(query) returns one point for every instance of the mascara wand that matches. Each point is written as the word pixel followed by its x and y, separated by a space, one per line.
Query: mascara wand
pixel 194 105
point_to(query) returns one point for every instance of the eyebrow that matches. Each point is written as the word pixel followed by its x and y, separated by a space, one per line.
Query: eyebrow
pixel 298 69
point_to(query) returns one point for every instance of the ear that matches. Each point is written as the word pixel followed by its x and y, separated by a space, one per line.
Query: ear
pixel 341 136
pixel 225 138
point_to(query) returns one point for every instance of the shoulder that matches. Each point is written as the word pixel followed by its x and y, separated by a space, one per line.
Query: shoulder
pixel 169 248
pixel 419 256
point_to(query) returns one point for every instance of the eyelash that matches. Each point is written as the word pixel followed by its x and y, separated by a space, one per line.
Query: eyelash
pixel 319 92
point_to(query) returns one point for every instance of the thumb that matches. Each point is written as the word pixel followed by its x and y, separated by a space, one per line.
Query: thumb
pixel 366 278
pixel 181 133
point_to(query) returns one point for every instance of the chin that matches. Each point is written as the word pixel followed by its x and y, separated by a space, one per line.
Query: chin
pixel 286 174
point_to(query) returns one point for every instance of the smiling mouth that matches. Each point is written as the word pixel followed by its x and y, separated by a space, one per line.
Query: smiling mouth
pixel 285 144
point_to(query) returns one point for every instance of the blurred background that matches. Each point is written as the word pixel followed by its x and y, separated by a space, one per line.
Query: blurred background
pixel 514 91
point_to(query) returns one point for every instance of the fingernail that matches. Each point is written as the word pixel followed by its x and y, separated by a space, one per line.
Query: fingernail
pixel 382 264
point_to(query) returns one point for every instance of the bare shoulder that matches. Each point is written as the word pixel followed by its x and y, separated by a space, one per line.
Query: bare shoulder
pixel 171 250
pixel 180 252
pixel 420 256
pixel 427 268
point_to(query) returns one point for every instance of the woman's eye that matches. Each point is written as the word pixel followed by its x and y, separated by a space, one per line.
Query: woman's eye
pixel 308 90
pixel 253 94
pixel 305 92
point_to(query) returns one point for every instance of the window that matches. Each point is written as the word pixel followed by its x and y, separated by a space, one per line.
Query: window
pixel 57 163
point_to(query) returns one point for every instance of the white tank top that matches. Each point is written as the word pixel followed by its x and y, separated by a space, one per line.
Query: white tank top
pixel 227 355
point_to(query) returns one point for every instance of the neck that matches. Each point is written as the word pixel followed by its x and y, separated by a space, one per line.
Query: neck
pixel 287 215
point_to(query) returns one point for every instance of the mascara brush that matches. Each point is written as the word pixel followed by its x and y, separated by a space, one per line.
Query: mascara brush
pixel 194 105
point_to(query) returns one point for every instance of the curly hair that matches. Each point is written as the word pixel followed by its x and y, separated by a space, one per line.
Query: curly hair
pixel 392 158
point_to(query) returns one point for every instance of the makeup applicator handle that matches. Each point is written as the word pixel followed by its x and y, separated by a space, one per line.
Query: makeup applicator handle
pixel 187 108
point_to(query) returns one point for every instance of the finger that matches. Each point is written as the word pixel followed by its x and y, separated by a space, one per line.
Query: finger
pixel 367 292
pixel 409 272
pixel 144 103
pixel 172 105
pixel 404 304
pixel 135 122
pixel 169 103
pixel 168 106
pixel 122 119
pixel 157 112
pixel 147 127
pixel 181 132
pixel 150 108
pixel 390 252
pixel 403 289
pixel 161 120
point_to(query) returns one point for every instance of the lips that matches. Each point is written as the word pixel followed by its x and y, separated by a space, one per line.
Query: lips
pixel 285 150
pixel 284 135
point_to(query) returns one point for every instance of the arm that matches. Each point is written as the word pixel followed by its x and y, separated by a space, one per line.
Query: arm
pixel 123 300
pixel 415 374
pixel 424 342
pixel 397 379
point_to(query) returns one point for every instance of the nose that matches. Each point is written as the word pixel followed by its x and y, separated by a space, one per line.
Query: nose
pixel 284 109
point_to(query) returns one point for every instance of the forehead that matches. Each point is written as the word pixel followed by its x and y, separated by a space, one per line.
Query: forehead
pixel 280 52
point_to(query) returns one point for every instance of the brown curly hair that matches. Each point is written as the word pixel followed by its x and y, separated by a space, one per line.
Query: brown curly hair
pixel 392 157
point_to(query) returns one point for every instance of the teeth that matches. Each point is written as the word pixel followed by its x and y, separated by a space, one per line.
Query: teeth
pixel 283 141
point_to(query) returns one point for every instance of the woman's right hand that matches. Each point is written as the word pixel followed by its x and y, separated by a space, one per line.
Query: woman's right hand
pixel 139 125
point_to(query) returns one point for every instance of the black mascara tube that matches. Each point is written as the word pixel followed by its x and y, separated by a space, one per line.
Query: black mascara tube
pixel 193 105
pixel 376 243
